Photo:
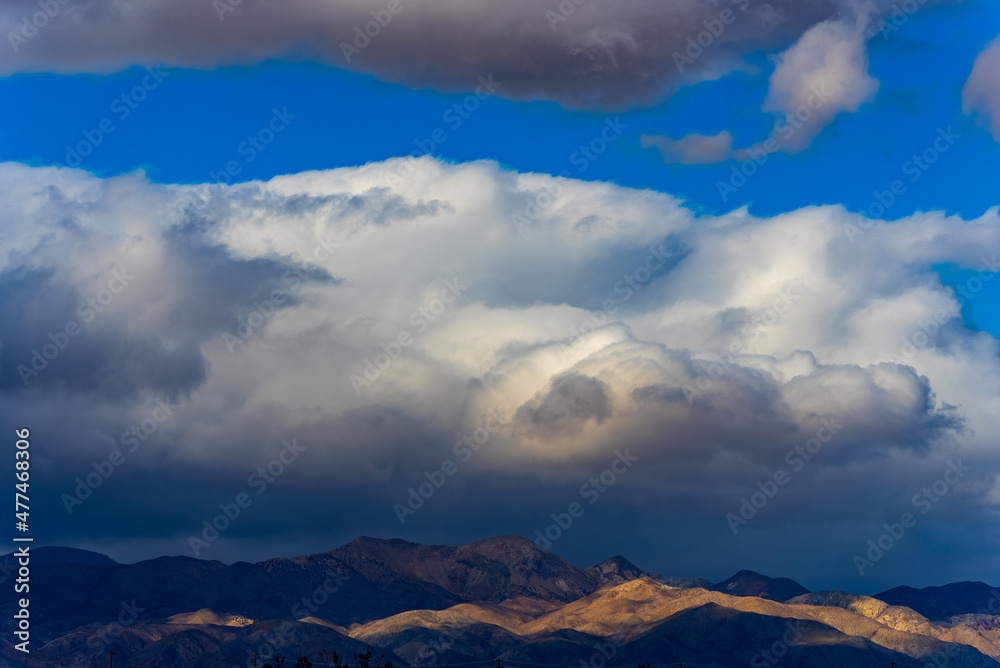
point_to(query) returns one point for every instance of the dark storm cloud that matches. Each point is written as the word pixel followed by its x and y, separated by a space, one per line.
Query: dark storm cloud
pixel 595 53
pixel 79 339
pixel 572 401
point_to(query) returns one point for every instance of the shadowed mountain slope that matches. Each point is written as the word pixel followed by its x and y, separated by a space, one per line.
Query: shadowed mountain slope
pixel 502 598
pixel 958 598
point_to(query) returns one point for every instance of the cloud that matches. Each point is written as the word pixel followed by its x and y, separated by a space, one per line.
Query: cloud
pixel 981 94
pixel 569 404
pixel 380 320
pixel 692 149
pixel 822 75
pixel 825 73
pixel 595 54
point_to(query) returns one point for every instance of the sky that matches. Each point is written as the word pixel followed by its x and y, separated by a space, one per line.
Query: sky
pixel 711 285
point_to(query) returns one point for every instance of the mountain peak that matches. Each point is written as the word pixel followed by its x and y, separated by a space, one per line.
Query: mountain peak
pixel 505 545
pixel 752 583
pixel 67 555
pixel 946 601
pixel 617 562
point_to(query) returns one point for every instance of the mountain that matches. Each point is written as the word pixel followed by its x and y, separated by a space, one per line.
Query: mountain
pixel 893 616
pixel 375 578
pixel 88 589
pixel 631 610
pixel 364 580
pixel 947 601
pixel 500 598
pixel 494 569
pixel 712 634
pixel 204 646
pixel 905 619
pixel 66 555
pixel 749 583
pixel 614 571
pixel 633 615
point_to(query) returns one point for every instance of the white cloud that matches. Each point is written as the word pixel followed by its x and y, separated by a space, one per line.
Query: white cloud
pixel 981 94
pixel 824 74
pixel 692 149
pixel 712 345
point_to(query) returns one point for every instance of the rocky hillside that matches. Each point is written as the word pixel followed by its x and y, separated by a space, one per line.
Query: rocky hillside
pixel 427 605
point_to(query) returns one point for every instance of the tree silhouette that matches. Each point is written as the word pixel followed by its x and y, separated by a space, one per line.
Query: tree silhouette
pixel 329 658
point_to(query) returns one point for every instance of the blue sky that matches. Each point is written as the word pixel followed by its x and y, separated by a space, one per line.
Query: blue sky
pixel 194 121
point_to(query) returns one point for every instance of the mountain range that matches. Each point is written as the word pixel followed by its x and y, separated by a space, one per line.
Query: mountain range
pixel 501 598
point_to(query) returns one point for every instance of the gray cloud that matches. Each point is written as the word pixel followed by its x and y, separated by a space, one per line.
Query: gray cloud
pixel 692 149
pixel 571 401
pixel 599 53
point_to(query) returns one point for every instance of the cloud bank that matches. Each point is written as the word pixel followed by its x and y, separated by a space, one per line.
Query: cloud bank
pixel 384 315
pixel 585 54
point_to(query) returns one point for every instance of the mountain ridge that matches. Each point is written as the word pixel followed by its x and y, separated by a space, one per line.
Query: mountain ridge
pixel 502 597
